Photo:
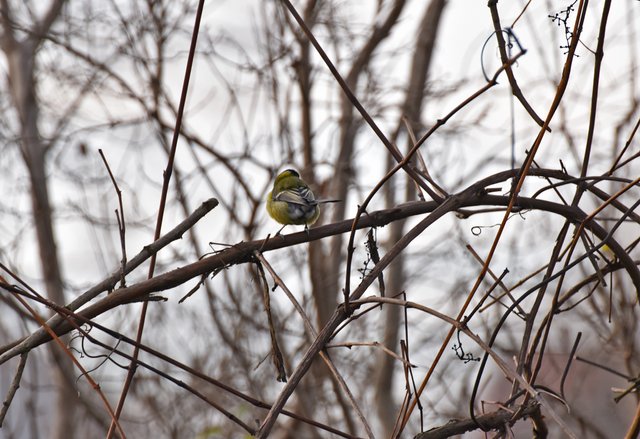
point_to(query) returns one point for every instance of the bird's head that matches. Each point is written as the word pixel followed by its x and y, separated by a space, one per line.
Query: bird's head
pixel 286 174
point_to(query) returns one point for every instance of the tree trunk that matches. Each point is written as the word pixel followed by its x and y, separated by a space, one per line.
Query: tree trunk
pixel 21 60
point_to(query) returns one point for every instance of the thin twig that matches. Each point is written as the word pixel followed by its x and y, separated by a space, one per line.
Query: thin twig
pixel 71 316
pixel 276 353
pixel 523 172
pixel 362 208
pixel 515 88
pixel 373 344
pixel 574 348
pixel 504 366
pixel 243 252
pixel 507 292
pixel 107 284
pixel 13 388
pixel 121 222
pixel 163 198
pixel 313 334
pixel 62 345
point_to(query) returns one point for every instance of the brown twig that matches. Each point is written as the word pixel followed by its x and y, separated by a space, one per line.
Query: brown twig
pixel 121 222
pixel 311 331
pixel 13 388
pixel 163 198
pixel 504 366
pixel 404 162
pixel 523 172
pixel 634 429
pixel 515 88
pixel 109 283
pixel 572 354
pixel 76 319
pixel 242 252
pixel 276 353
pixel 62 345
pixel 507 292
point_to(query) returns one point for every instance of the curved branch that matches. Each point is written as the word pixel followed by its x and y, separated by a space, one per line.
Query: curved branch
pixel 475 195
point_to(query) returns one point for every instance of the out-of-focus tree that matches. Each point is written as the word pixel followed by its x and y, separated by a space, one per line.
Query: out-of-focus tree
pixel 23 34
pixel 482 264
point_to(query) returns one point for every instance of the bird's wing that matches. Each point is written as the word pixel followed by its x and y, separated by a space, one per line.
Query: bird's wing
pixel 302 196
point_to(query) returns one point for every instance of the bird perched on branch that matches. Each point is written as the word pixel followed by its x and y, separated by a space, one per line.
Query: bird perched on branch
pixel 292 202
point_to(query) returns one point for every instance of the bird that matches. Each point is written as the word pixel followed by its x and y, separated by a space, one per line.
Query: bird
pixel 291 201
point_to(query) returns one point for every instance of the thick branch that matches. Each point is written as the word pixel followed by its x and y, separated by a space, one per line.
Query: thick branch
pixel 490 421
pixel 243 252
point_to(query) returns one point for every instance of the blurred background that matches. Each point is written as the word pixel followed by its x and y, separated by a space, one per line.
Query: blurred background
pixel 80 76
